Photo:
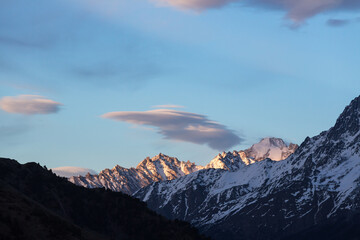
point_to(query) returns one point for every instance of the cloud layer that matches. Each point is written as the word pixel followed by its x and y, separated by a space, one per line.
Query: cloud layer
pixel 29 105
pixel 182 126
pixel 296 10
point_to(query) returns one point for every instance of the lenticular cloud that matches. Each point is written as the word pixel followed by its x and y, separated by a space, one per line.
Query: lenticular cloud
pixel 182 126
pixel 29 105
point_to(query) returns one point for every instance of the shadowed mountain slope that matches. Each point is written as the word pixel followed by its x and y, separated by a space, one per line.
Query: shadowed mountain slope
pixel 36 204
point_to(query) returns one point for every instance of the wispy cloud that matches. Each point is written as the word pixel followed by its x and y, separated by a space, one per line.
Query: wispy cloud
pixel 138 70
pixel 182 126
pixel 16 42
pixel 337 22
pixel 96 72
pixel 29 105
pixel 296 10
pixel 9 131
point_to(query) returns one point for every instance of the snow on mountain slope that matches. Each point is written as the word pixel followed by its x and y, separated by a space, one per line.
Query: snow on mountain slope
pixel 274 148
pixel 271 199
pixel 72 171
pixel 163 167
pixel 159 168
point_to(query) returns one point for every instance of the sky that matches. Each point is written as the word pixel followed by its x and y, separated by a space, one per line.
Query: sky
pixel 94 83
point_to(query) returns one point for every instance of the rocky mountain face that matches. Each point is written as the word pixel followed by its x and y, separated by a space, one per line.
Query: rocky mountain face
pixel 274 148
pixel 129 180
pixel 36 204
pixel 162 167
pixel 310 193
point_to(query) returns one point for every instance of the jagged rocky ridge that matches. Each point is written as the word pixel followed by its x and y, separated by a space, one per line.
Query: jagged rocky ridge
pixel 317 187
pixel 36 204
pixel 162 167
pixel 129 180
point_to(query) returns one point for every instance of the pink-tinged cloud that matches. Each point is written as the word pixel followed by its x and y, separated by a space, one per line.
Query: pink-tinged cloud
pixel 182 126
pixel 296 10
pixel 29 105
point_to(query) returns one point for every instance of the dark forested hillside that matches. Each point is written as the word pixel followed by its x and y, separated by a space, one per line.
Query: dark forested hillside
pixel 36 204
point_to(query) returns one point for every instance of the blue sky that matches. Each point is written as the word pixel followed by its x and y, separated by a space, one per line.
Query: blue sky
pixel 240 70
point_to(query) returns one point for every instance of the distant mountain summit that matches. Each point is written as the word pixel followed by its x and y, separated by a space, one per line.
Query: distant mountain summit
pixel 273 148
pixel 128 180
pixel 312 194
pixel 72 171
pixel 162 167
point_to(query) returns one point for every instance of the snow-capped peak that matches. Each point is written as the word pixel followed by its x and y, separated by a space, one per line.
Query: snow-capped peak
pixel 273 148
pixel 227 161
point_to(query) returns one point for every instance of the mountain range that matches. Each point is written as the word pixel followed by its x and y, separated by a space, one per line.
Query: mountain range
pixel 162 167
pixel 312 194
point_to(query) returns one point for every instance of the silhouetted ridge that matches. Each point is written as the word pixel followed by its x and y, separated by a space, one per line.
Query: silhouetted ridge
pixel 348 121
pixel 77 212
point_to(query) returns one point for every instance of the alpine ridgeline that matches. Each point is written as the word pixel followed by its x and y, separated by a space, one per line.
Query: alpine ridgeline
pixel 313 194
pixel 129 180
pixel 162 167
